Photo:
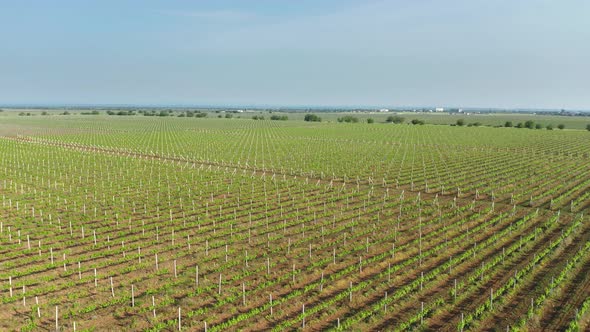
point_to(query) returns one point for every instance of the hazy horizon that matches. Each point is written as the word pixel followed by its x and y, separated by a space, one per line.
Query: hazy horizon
pixel 60 106
pixel 459 53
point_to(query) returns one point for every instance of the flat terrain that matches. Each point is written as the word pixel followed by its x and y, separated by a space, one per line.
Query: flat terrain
pixel 444 118
pixel 149 223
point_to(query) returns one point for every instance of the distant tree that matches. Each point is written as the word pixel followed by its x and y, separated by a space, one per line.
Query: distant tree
pixel 561 126
pixel 508 124
pixel 312 118
pixel 229 116
pixel 348 119
pixel 538 126
pixel 549 127
pixel 588 127
pixel 95 112
pixel 519 125
pixel 370 120
pixel 44 113
pixel 476 124
pixel 126 112
pixel 395 119
pixel 460 122
pixel 529 124
pixel 279 117
pixel 417 122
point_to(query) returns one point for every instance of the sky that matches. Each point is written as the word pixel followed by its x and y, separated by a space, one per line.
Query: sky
pixel 453 53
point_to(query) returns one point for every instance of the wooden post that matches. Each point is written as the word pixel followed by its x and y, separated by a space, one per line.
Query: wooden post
pixel 421 279
pixel 334 255
pixel 38 308
pixel 360 265
pixel 462 321
pixel 179 321
pixel 389 272
pixel 303 316
pixel 270 303
pixel 421 313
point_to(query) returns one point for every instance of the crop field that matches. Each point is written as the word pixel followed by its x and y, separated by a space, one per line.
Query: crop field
pixel 160 224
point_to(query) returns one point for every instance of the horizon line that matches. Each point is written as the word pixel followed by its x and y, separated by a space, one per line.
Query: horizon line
pixel 276 106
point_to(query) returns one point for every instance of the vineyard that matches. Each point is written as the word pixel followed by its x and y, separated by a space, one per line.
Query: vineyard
pixel 160 224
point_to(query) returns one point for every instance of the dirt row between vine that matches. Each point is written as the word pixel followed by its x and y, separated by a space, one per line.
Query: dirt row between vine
pixel 336 182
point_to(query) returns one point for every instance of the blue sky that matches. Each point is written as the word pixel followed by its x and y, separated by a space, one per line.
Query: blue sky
pixel 478 53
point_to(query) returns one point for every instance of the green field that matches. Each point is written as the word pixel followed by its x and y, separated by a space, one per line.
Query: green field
pixel 164 223
pixel 492 119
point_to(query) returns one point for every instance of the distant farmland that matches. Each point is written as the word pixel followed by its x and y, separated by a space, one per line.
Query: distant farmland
pixel 167 223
